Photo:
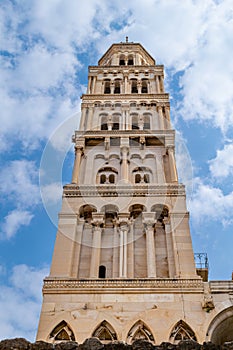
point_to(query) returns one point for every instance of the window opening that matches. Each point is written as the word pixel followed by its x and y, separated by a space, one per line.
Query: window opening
pixel 102 271
pixel 107 87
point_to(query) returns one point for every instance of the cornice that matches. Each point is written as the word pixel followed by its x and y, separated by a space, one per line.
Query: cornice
pixel 71 190
pixel 127 97
pixel 124 133
pixel 166 285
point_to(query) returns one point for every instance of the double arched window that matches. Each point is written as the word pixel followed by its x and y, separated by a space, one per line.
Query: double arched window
pixel 142 175
pixel 107 175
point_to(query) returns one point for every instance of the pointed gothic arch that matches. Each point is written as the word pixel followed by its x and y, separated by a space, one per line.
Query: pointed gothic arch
pixel 61 333
pixel 140 331
pixel 181 331
pixel 105 332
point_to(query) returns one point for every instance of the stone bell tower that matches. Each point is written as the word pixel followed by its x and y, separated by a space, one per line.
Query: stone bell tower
pixel 123 265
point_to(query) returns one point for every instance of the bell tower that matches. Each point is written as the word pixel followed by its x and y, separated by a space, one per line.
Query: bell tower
pixel 123 265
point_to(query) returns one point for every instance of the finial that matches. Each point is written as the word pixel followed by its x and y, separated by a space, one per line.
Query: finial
pixel 126 39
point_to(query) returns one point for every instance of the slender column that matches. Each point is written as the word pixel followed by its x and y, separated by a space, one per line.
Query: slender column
pixel 90 117
pixel 167 115
pixel 115 252
pixel 123 224
pixel 126 85
pixel 96 244
pixel 157 84
pixel 89 85
pixel 110 123
pixel 169 245
pixel 124 159
pixel 93 85
pixel 112 87
pixel 131 251
pixel 139 86
pixel 149 221
pixel 77 161
pixel 141 122
pixel 161 117
pixel 161 84
pixel 77 248
pixel 172 163
pixel 160 169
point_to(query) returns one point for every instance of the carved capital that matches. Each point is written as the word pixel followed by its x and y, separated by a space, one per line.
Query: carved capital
pixel 148 219
pixel 97 220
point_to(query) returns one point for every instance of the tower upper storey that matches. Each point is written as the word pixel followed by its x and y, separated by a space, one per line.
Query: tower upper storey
pixel 126 54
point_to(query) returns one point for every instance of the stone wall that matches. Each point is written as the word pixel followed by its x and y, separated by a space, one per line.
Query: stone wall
pixel 95 344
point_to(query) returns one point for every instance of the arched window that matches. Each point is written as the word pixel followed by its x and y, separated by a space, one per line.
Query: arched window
pixel 181 331
pixel 161 211
pixel 61 333
pixel 107 175
pixel 104 122
pixel 135 121
pixel 146 125
pixel 140 331
pixel 105 332
pixel 134 87
pixel 102 271
pixel 136 210
pixel 142 175
pixel 130 60
pixel 115 120
pixel 107 89
pixel 144 86
pixel 102 178
pixel 86 212
pixel 111 178
pixel 117 87
pixel 137 178
pixel 122 60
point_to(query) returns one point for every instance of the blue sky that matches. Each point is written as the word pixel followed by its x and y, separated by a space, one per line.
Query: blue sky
pixel 45 48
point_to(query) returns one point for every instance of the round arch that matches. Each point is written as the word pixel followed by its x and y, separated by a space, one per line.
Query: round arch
pixel 220 329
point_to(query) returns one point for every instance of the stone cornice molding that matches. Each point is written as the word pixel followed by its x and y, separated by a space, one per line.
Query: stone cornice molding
pixel 71 190
pixel 107 97
pixel 61 285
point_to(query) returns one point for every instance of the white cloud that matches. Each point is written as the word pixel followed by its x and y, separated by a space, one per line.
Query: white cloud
pixel 52 193
pixel 222 165
pixel 13 222
pixel 210 203
pixel 19 186
pixel 20 302
pixel 19 182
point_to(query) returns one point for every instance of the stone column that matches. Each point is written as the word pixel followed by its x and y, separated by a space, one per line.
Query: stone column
pixel 90 117
pixel 161 118
pixel 123 228
pixel 98 219
pixel 169 246
pixel 115 269
pixel 139 86
pixel 172 163
pixel 77 247
pixel 140 122
pixel 131 250
pixel 160 169
pixel 112 87
pixel 149 221
pixel 157 84
pixel 124 159
pixel 89 85
pixel 93 85
pixel 161 84
pixel 126 85
pixel 167 115
pixel 77 162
